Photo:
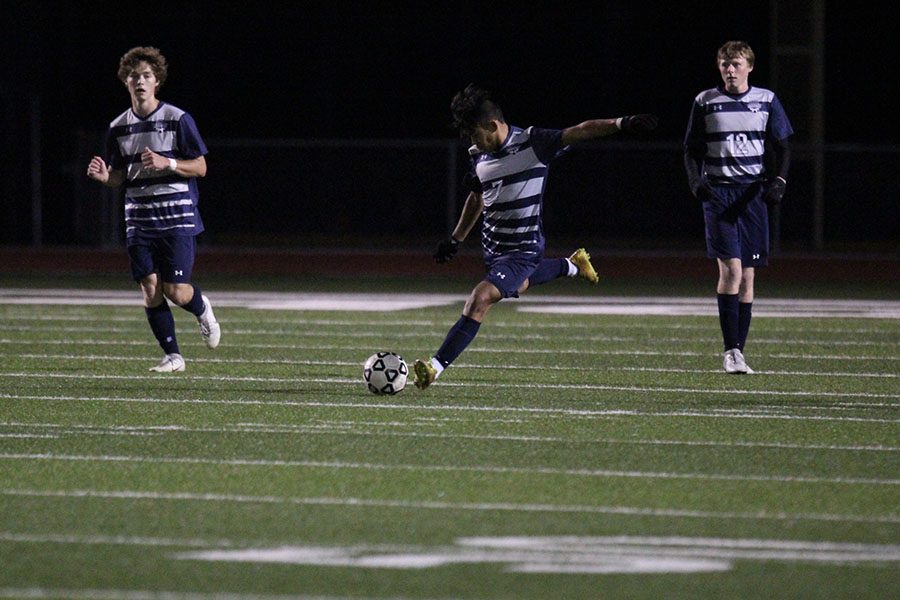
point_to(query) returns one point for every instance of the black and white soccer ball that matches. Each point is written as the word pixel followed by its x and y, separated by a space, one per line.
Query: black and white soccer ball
pixel 385 373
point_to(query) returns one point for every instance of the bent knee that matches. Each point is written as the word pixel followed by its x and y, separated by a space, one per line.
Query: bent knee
pixel 179 293
pixel 477 306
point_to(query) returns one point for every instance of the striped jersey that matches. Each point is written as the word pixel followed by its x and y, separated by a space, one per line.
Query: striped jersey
pixel 733 128
pixel 157 203
pixel 512 182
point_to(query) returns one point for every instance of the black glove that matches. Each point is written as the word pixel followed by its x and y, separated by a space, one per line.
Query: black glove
pixel 638 123
pixel 774 191
pixel 446 250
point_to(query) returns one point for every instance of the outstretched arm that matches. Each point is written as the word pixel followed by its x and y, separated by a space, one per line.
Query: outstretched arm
pixel 596 128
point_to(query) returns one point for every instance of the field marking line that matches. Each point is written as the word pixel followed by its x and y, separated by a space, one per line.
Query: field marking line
pixel 84 316
pixel 471 384
pixel 565 413
pixel 347 363
pixel 484 337
pixel 314 464
pixel 595 555
pixel 761 515
pixel 266 428
pixel 353 301
pixel 473 349
pixel 535 554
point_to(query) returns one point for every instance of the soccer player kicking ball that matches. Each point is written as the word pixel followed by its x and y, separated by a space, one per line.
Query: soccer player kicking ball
pixel 156 152
pixel 736 155
pixel 506 188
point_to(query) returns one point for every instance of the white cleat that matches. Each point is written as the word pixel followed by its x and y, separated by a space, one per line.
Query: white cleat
pixel 731 363
pixel 740 363
pixel 169 364
pixel 209 327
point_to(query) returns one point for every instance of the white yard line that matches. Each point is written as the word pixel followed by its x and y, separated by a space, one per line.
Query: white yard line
pixel 266 428
pixel 300 321
pixel 493 338
pixel 565 413
pixel 520 554
pixel 616 305
pixel 474 349
pixel 339 363
pixel 674 513
pixel 311 464
pixel 471 384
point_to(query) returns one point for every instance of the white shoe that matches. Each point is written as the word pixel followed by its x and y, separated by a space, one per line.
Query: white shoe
pixel 209 327
pixel 733 362
pixel 169 364
pixel 740 363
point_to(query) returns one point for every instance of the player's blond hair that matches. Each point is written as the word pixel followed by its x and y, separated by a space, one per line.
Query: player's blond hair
pixel 148 54
pixel 734 49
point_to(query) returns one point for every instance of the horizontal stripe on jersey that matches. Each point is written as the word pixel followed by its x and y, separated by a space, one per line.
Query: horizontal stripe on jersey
pixel 513 180
pixel 157 202
pixel 733 128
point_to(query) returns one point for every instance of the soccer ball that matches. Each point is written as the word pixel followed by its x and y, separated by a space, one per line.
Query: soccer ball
pixel 385 373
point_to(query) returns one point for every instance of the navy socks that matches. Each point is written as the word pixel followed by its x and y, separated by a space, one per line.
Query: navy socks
pixel 162 323
pixel 745 312
pixel 196 305
pixel 458 338
pixel 548 270
pixel 729 319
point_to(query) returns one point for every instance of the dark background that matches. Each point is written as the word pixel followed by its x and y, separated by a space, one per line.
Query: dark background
pixel 388 70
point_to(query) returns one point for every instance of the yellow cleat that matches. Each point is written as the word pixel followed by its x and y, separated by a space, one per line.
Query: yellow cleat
pixel 581 259
pixel 425 373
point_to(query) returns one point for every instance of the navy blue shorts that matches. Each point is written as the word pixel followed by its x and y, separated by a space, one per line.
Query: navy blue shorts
pixel 738 225
pixel 509 271
pixel 171 257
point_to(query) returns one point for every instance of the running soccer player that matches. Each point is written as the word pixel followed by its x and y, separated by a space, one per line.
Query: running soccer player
pixel 736 155
pixel 506 188
pixel 155 150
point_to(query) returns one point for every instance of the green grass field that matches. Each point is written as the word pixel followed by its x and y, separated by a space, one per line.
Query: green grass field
pixel 564 456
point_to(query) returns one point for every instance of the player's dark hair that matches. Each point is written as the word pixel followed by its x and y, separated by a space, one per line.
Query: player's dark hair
pixel 152 56
pixel 734 49
pixel 473 106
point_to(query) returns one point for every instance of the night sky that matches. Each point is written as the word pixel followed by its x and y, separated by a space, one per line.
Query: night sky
pixel 362 70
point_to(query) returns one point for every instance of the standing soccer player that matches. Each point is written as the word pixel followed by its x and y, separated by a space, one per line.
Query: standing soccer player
pixel 155 150
pixel 736 155
pixel 506 189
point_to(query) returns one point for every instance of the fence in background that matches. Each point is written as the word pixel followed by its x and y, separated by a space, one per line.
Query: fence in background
pixel 290 191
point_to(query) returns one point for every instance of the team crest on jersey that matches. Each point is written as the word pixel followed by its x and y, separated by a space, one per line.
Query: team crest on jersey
pixel 754 106
pixel 160 127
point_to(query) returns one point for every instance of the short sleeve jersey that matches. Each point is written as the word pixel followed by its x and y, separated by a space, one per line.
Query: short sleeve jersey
pixel 157 203
pixel 512 182
pixel 733 129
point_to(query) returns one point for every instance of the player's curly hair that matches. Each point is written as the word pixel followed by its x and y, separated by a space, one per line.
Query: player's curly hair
pixel 152 56
pixel 734 49
pixel 473 106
